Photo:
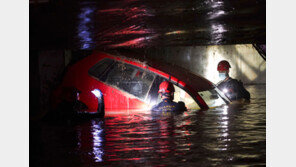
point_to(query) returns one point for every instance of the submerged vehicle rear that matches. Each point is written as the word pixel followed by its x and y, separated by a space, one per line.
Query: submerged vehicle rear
pixel 129 84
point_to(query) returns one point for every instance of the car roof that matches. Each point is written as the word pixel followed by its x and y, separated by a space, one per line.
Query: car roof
pixel 192 81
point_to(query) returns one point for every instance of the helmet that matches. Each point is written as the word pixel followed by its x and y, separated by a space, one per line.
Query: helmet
pixel 223 66
pixel 166 87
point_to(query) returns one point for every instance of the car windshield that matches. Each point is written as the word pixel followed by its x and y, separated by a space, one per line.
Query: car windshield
pixel 182 95
pixel 212 98
pixel 131 79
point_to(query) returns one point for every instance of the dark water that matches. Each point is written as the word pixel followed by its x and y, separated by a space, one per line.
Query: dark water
pixel 226 136
pixel 97 24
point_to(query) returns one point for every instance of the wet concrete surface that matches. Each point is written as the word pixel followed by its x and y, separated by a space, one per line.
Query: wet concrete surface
pixel 225 136
pixel 90 24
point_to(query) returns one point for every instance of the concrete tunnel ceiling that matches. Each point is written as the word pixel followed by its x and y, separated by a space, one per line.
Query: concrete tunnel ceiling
pixel 98 24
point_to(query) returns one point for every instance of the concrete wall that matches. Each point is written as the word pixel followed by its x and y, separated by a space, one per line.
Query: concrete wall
pixel 46 72
pixel 247 65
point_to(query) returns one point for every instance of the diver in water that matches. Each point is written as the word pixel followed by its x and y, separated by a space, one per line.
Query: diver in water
pixel 166 91
pixel 232 88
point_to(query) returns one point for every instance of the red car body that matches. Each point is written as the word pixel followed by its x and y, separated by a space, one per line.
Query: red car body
pixel 117 100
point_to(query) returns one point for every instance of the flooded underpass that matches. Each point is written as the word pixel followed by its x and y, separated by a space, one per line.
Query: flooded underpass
pixel 194 35
pixel 225 136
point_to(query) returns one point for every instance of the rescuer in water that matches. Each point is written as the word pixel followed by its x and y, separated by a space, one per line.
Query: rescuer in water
pixel 71 109
pixel 232 88
pixel 166 91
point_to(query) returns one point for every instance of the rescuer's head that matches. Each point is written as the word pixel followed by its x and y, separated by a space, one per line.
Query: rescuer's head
pixel 166 90
pixel 223 68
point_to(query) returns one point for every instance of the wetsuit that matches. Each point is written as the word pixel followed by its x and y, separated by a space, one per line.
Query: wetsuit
pixel 169 106
pixel 234 89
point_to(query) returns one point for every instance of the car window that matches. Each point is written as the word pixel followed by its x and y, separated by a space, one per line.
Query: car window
pixel 99 69
pixel 212 98
pixel 131 79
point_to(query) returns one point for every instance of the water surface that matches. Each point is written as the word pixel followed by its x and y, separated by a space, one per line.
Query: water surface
pixel 225 136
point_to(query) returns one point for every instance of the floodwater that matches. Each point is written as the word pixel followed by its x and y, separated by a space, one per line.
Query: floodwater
pixel 225 136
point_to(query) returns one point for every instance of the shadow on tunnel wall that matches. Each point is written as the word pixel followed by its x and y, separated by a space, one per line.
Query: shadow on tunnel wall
pixel 46 71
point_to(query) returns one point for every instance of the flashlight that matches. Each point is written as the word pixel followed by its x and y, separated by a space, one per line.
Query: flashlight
pixel 225 90
pixel 101 105
pixel 97 93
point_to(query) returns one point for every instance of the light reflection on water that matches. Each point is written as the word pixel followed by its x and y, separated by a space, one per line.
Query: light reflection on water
pixel 229 135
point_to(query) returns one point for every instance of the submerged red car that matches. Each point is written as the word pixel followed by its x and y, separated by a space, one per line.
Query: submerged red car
pixel 129 84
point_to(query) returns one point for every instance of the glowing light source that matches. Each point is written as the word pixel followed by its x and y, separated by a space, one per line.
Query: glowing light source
pixel 97 93
pixel 225 90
